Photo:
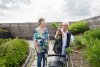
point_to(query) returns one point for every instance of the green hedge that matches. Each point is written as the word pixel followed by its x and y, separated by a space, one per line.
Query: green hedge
pixel 13 53
pixel 4 40
pixel 78 27
pixel 91 40
pixel 92 52
pixel 80 42
pixel 94 33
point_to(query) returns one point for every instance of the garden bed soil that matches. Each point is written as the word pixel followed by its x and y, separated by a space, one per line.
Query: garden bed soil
pixel 77 59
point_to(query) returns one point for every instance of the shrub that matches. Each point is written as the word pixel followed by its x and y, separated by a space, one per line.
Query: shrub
pixel 92 52
pixel 79 41
pixel 4 40
pixel 69 50
pixel 91 41
pixel 78 27
pixel 94 33
pixel 13 53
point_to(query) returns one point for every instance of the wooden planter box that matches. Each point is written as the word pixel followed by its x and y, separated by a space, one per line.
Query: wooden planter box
pixel 5 35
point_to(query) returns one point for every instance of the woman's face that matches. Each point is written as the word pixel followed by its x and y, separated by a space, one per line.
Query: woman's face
pixel 42 24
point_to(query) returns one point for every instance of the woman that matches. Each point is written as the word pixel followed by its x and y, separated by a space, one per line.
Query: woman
pixel 40 38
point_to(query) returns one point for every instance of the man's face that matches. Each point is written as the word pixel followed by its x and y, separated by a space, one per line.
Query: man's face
pixel 65 27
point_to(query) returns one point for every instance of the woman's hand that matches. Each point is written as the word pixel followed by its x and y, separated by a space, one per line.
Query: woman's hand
pixel 37 50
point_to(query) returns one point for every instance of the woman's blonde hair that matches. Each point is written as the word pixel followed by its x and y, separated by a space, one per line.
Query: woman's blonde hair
pixel 40 20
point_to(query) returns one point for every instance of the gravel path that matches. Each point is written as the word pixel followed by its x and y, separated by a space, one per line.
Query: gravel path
pixel 34 64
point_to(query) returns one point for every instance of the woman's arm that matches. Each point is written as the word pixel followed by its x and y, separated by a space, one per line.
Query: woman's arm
pixel 36 46
pixel 47 35
pixel 35 42
pixel 48 39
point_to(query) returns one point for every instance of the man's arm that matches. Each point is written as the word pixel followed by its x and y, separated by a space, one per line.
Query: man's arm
pixel 56 34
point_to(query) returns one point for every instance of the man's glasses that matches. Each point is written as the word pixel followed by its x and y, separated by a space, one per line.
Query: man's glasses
pixel 64 25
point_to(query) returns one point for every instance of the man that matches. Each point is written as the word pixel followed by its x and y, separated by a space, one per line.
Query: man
pixel 63 38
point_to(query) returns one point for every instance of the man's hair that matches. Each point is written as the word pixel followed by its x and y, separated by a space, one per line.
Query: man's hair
pixel 65 23
pixel 40 20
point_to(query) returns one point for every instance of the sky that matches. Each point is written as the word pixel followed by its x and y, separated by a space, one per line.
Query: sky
pixel 14 11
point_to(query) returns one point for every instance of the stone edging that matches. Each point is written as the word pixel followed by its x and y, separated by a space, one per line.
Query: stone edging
pixel 28 58
pixel 71 61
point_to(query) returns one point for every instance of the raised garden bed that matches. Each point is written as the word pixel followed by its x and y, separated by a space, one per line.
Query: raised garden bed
pixel 5 34
pixel 77 58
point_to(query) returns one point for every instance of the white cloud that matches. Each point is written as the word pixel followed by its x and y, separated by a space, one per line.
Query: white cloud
pixel 51 10
pixel 95 7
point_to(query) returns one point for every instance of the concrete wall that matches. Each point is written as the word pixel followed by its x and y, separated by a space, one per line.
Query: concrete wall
pixel 25 30
pixel 94 22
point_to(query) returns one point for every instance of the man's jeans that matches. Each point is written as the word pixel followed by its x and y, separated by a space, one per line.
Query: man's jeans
pixel 40 56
